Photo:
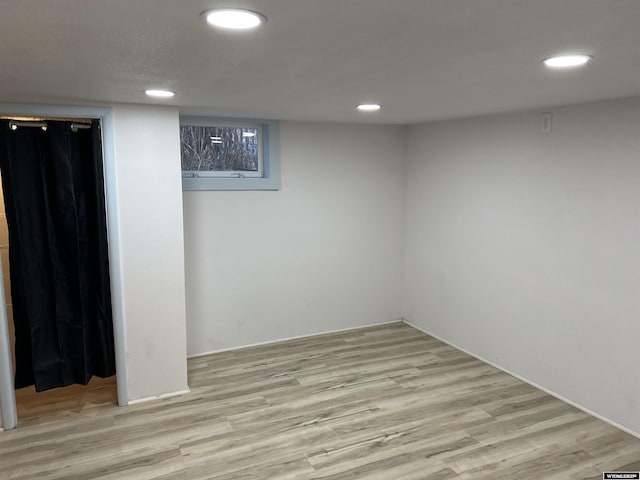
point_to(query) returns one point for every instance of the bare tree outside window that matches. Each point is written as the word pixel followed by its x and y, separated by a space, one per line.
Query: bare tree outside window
pixel 220 151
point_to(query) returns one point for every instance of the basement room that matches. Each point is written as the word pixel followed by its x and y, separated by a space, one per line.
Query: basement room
pixel 319 240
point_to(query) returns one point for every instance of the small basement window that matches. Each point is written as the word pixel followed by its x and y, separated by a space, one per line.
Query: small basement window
pixel 229 154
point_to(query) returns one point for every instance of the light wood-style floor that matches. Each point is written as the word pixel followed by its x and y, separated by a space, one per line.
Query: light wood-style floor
pixel 387 403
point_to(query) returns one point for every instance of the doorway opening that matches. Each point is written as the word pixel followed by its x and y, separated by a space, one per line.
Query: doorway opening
pixel 64 396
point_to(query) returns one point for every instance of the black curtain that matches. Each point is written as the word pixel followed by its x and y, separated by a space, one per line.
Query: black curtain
pixel 54 200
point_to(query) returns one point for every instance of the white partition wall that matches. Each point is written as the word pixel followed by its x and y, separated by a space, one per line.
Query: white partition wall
pixel 148 194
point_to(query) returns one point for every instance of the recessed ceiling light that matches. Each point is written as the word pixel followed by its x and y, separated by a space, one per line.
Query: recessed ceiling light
pixel 566 61
pixel 368 107
pixel 233 18
pixel 249 134
pixel 159 93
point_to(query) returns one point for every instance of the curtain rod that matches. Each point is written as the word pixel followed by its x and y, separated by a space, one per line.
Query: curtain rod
pixel 79 126
pixel 15 124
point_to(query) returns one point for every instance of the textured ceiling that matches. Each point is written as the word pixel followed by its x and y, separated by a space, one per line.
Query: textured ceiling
pixel 316 59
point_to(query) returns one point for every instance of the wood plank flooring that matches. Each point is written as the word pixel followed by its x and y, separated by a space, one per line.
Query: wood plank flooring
pixel 381 403
pixel 59 402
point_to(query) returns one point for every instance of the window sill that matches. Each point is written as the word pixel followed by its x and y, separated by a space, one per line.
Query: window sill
pixel 231 183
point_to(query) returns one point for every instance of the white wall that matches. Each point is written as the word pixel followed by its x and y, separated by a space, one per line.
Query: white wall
pixel 323 253
pixel 524 248
pixel 148 198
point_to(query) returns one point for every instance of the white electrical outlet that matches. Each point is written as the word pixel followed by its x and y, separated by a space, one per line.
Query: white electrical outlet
pixel 546 119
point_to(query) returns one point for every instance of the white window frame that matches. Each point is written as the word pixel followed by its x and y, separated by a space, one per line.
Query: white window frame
pixel 268 175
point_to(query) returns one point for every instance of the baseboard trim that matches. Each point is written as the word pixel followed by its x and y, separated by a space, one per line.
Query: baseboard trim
pixel 270 342
pixel 533 384
pixel 158 397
